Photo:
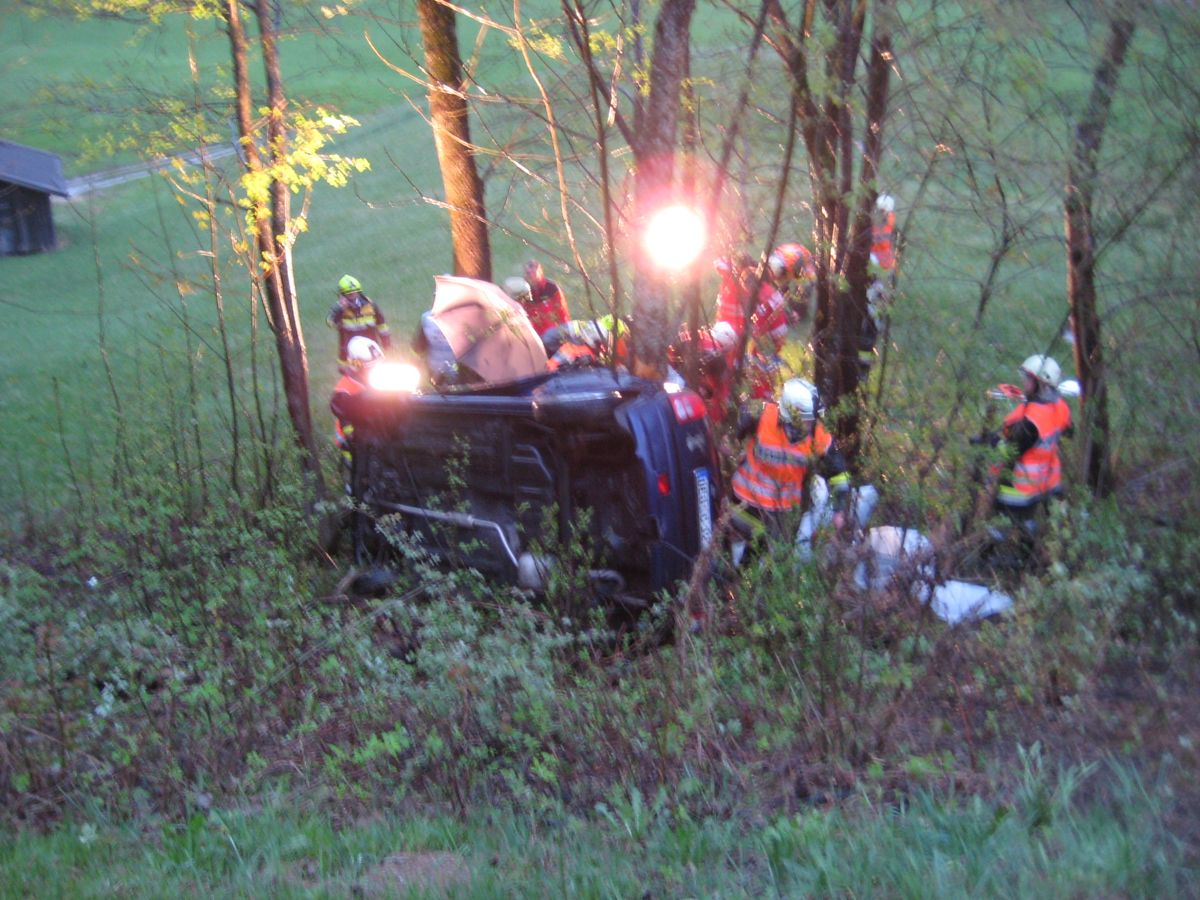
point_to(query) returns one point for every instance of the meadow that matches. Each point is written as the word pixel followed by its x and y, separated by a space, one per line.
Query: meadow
pixel 193 702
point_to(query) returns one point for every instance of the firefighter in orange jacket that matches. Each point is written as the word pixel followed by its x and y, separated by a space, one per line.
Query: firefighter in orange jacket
pixel 883 266
pixel 587 342
pixel 789 444
pixel 792 269
pixel 362 354
pixel 1030 435
pixel 766 319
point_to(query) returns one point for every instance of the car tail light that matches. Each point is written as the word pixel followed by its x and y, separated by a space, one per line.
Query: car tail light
pixel 664 484
pixel 687 407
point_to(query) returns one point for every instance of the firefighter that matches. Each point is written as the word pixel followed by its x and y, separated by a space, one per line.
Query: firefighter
pixel 546 305
pixel 793 272
pixel 1030 439
pixel 587 342
pixel 355 315
pixel 766 316
pixel 883 234
pixel 716 352
pixel 788 445
pixel 883 267
pixel 542 317
pixel 362 354
pixel 767 320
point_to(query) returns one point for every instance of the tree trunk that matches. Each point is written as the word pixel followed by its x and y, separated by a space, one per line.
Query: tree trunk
pixel 654 155
pixel 452 137
pixel 842 213
pixel 1081 258
pixel 271 229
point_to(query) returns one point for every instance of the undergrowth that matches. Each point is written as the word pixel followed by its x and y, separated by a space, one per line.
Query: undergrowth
pixel 165 662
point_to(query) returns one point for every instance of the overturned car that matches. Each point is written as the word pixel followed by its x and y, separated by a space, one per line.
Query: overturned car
pixel 504 472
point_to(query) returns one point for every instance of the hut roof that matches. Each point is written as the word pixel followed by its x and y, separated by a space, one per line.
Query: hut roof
pixel 32 168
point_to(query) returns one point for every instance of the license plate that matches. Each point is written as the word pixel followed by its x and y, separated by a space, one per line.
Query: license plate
pixel 704 505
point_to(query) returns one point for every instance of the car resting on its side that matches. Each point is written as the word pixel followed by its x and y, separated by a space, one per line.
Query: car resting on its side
pixel 502 477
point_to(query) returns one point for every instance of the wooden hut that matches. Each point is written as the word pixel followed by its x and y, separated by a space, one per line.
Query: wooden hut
pixel 28 178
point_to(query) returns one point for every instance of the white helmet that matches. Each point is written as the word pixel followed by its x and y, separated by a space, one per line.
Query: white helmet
pixel 518 288
pixel 798 401
pixel 777 266
pixel 1043 368
pixel 362 352
pixel 724 335
pixel 885 203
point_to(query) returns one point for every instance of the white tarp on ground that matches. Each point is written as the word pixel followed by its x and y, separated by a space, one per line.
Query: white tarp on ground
pixel 959 601
pixel 893 550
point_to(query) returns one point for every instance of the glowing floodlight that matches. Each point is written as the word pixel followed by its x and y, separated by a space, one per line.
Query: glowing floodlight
pixel 398 377
pixel 675 237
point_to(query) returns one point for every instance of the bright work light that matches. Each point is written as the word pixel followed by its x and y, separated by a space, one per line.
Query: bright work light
pixel 675 236
pixel 398 377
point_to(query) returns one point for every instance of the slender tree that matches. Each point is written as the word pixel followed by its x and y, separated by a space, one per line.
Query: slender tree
pixel 840 97
pixel 1081 254
pixel 654 159
pixel 449 113
pixel 271 216
pixel 653 136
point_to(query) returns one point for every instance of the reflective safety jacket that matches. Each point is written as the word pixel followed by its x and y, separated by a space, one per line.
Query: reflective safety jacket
pixel 588 342
pixel 546 308
pixel 1037 472
pixel 773 474
pixel 572 354
pixel 768 317
pixel 359 316
pixel 883 254
pixel 347 385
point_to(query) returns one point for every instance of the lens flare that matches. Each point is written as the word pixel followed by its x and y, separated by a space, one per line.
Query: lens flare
pixel 675 236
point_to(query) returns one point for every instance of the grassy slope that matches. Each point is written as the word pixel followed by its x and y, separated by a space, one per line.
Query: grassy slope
pixel 67 82
pixel 380 229
pixel 381 232
pixel 1039 846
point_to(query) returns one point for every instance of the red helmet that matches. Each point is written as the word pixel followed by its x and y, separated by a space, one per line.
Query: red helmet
pixel 791 262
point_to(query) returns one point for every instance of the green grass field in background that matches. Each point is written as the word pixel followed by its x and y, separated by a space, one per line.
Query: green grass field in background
pixel 124 249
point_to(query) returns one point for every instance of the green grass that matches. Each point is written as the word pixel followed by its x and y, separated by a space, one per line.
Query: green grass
pixel 68 83
pixel 1042 844
pixel 382 231
pixel 125 250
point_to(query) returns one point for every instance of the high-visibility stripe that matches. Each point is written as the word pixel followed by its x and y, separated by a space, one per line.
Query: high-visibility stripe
pixel 882 253
pixel 773 473
pixel 1038 471
pixel 569 354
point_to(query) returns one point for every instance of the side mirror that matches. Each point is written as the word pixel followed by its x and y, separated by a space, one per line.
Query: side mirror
pixel 1070 388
